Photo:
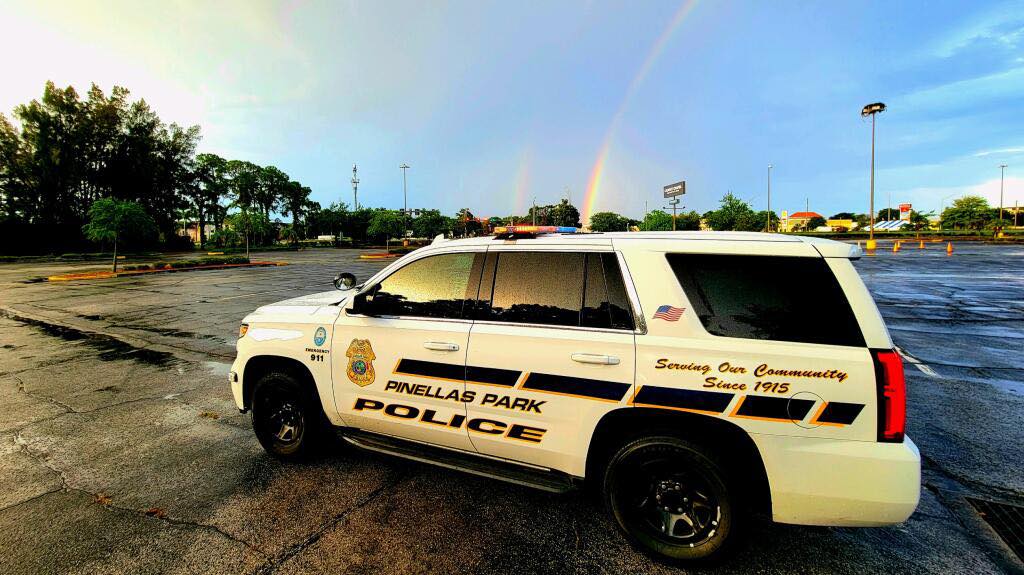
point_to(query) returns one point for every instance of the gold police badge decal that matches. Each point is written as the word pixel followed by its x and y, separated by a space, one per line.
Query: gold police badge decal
pixel 360 362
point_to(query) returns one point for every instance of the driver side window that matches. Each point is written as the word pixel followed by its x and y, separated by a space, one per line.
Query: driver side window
pixel 434 287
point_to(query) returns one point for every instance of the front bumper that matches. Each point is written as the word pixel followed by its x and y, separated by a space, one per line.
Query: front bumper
pixel 841 483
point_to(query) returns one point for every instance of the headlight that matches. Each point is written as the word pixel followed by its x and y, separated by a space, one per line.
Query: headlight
pixel 242 329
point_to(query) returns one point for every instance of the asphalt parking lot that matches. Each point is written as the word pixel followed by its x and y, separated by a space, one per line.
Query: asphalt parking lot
pixel 122 451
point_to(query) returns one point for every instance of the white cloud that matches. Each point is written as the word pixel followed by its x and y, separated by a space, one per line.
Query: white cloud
pixel 1001 151
pixel 1003 26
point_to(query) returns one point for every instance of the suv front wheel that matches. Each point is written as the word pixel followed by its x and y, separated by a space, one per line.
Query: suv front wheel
pixel 671 497
pixel 286 422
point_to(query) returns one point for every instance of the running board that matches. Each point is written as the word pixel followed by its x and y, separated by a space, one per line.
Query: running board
pixel 538 478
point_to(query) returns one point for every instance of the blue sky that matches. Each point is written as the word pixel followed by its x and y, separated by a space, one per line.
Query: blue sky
pixel 495 103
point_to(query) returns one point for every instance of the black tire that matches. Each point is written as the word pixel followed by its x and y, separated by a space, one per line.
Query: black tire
pixel 672 498
pixel 287 422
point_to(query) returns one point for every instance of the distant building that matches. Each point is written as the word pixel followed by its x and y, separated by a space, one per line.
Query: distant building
pixel 192 231
pixel 841 225
pixel 798 220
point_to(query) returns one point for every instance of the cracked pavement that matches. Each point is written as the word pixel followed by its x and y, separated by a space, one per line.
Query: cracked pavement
pixel 121 450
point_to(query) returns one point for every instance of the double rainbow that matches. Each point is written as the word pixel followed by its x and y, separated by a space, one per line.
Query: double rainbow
pixel 596 173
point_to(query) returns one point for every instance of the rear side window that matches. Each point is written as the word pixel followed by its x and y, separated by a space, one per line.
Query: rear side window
pixel 554 288
pixel 434 286
pixel 767 297
pixel 538 287
pixel 605 303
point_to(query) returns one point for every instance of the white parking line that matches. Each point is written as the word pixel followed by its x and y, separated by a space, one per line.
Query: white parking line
pixel 916 363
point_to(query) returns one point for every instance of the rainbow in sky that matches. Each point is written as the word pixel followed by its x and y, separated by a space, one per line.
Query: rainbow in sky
pixel 601 162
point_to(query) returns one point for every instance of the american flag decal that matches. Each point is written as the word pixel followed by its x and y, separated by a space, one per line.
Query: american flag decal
pixel 669 313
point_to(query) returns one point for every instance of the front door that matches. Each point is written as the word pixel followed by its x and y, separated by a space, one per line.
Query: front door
pixel 399 356
pixel 550 353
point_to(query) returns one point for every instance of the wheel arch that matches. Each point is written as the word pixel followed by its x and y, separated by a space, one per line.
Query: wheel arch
pixel 259 365
pixel 732 442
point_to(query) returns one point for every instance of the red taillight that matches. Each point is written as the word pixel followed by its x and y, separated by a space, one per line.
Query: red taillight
pixel 892 395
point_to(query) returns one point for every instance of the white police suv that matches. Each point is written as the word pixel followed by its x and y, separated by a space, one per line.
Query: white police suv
pixel 692 378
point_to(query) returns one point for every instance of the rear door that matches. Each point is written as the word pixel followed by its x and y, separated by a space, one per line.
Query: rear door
pixel 550 352
pixel 399 367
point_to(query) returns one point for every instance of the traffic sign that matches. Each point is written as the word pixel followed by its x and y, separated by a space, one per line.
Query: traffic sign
pixel 676 189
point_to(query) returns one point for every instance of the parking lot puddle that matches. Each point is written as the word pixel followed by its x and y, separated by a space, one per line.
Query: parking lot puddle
pixel 108 348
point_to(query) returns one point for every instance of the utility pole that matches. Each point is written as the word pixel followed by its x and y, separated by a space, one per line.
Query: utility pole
pixel 807 204
pixel 1002 173
pixel 888 209
pixel 355 187
pixel 534 210
pixel 872 110
pixel 769 227
pixel 405 197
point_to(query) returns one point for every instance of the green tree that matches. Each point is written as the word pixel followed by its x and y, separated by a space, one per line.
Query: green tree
pixel 244 178
pixel 657 221
pixel 294 200
pixel 887 214
pixel 968 212
pixel 467 223
pixel 113 220
pixel 689 221
pixel 386 224
pixel 431 223
pixel 608 222
pixel 814 223
pixel 250 225
pixel 564 214
pixel 919 221
pixel 207 186
pixel 734 214
pixel 271 189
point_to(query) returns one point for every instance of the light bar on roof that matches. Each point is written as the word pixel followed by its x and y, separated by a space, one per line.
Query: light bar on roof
pixel 533 230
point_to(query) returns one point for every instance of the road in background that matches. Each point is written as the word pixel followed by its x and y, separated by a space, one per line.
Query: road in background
pixel 122 451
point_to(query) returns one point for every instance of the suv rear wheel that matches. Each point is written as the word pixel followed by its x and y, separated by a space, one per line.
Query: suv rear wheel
pixel 286 422
pixel 671 497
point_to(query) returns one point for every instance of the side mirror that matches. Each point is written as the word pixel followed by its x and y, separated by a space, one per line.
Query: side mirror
pixel 344 281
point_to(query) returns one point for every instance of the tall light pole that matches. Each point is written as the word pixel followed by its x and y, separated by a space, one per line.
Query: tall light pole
pixel 769 228
pixel 872 110
pixel 1002 173
pixel 355 187
pixel 405 196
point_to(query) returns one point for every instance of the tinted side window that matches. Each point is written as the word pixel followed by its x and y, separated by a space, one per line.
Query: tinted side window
pixel 434 286
pixel 765 297
pixel 605 303
pixel 537 287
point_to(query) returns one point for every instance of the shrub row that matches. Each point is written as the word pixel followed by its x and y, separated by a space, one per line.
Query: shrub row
pixel 178 264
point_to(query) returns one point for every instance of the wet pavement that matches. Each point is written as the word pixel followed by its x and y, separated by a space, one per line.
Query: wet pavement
pixel 122 451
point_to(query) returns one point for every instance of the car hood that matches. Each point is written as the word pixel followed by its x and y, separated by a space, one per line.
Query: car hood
pixel 314 299
pixel 315 304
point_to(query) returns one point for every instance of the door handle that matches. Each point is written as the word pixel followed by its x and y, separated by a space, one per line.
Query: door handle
pixel 441 346
pixel 595 358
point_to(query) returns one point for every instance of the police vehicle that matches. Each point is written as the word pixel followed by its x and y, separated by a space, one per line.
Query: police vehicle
pixel 691 378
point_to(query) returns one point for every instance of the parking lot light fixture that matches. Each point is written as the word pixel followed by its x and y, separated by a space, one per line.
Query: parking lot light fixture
pixel 1002 174
pixel 872 110
pixel 405 196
